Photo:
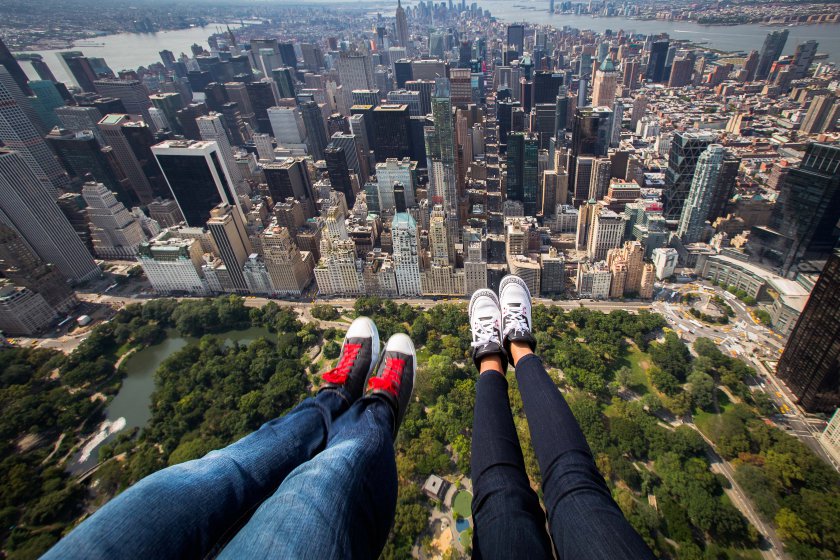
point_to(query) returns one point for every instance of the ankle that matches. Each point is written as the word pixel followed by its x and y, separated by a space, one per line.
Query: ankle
pixel 518 350
pixel 491 363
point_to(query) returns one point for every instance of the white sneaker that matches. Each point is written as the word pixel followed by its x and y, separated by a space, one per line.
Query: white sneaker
pixel 516 312
pixel 486 324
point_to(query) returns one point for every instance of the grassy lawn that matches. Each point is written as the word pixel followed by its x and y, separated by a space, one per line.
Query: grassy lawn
pixel 705 420
pixel 639 363
pixel 463 504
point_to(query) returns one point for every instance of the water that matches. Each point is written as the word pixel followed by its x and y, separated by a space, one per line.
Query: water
pixel 130 408
pixel 128 51
pixel 727 38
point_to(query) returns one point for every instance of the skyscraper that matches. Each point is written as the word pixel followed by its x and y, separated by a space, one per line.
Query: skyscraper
pixel 31 210
pixel 390 129
pixel 197 176
pixel 686 148
pixel 131 141
pixel 772 49
pixel 804 220
pixel 822 115
pixel 403 38
pixel 290 179
pixel 603 88
pixel 80 154
pixel 522 170
pixel 406 260
pixel 18 133
pixel 802 58
pixel 116 233
pixel 211 127
pixel 810 363
pixel 231 238
pixel 656 61
pixel 316 134
pixel 440 150
pixel 132 93
pixel 591 135
pixel 8 61
pixel 339 172
pixel 516 38
pixel 696 208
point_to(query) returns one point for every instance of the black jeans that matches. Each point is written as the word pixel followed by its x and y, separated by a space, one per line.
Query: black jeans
pixel 583 519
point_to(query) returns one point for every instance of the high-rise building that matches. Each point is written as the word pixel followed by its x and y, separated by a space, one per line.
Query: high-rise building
pixel 78 66
pixel 440 150
pixel 355 71
pixel 197 176
pixel 132 93
pixel 516 38
pixel 290 179
pixel 22 311
pixel 131 141
pixel 392 172
pixel 391 132
pixel 262 97
pixel 522 170
pixel 810 363
pixel 406 259
pixel 80 154
pixel 169 104
pixel 173 264
pixel 31 210
pixel 686 148
pixel 603 87
pixel 553 278
pixel 115 232
pixel 772 49
pixel 290 270
pixel 230 237
pixel 822 115
pixel 23 267
pixel 681 72
pixel 802 58
pixel 339 172
pixel 287 127
pixel 665 262
pixel 77 119
pixel 607 232
pixel 695 210
pixel 211 128
pixel 403 38
pixel 316 133
pixel 18 133
pixel 10 63
pixel 47 99
pixel 656 61
pixel 803 224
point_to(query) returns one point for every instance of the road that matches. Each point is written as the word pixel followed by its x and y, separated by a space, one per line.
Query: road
pixel 740 500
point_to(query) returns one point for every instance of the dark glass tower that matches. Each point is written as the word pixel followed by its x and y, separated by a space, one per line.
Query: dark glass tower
pixel 686 147
pixel 339 172
pixel 810 364
pixel 316 134
pixel 262 97
pixel 11 64
pixel 390 128
pixel 522 170
pixel 656 61
pixel 804 220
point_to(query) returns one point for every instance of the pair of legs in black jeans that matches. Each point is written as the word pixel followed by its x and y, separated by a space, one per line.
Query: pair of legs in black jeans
pixel 583 519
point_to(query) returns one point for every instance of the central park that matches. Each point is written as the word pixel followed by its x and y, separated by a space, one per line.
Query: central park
pixel 660 417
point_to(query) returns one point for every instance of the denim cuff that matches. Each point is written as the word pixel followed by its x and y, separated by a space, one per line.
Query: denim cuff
pixel 527 359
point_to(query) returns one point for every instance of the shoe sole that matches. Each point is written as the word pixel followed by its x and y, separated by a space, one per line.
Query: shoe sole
pixel 513 279
pixel 374 353
pixel 483 292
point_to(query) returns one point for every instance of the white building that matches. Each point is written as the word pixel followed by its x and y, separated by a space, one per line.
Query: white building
pixel 173 264
pixel 830 438
pixel 593 280
pixel 340 271
pixel 665 262
pixel 257 276
pixel 115 232
pixel 22 311
pixel 287 127
pixel 406 260
pixel 392 171
pixel 607 232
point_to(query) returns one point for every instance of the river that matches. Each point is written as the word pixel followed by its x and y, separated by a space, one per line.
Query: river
pixel 728 38
pixel 129 51
pixel 130 408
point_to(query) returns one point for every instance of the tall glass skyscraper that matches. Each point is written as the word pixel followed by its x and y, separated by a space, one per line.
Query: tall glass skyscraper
pixel 696 207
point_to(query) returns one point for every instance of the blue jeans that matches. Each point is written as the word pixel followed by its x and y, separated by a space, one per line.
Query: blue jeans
pixel 584 521
pixel 321 482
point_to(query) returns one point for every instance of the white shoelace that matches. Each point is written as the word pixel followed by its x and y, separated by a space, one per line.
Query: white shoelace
pixel 485 331
pixel 515 321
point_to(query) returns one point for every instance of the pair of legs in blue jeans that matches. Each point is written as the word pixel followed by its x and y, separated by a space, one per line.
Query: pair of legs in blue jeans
pixel 320 482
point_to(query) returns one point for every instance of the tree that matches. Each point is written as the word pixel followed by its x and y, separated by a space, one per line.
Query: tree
pixel 791 527
pixel 701 388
